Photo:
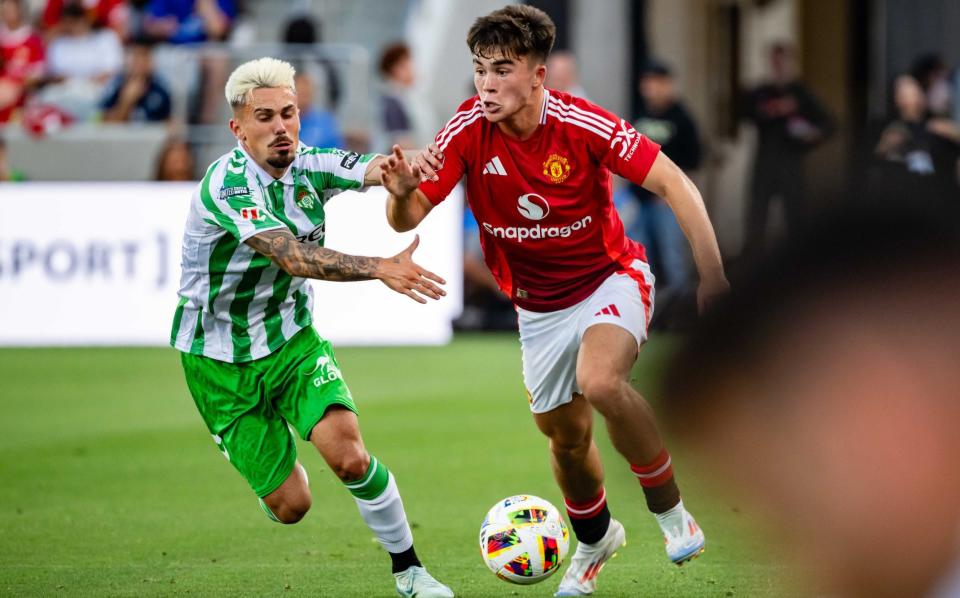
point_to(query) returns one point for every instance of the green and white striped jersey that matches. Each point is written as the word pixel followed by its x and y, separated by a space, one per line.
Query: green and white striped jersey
pixel 235 304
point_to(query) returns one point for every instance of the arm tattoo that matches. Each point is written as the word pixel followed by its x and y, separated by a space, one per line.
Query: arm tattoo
pixel 308 261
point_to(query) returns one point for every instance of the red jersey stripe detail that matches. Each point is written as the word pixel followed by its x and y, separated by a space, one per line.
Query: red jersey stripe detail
pixel 577 122
pixel 615 311
pixel 590 117
pixel 463 125
pixel 458 118
pixel 546 103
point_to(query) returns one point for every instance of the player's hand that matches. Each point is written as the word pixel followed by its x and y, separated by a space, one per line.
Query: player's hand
pixel 709 291
pixel 397 175
pixel 430 160
pixel 404 276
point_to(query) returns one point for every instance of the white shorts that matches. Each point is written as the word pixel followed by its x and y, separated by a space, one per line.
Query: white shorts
pixel 550 341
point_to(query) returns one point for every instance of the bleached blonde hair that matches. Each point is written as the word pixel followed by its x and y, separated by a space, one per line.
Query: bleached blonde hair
pixel 255 74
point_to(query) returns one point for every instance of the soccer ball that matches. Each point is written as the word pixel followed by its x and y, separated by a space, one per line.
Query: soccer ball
pixel 524 539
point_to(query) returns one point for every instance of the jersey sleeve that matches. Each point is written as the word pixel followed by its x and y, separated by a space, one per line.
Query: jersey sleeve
pixel 623 150
pixel 234 200
pixel 332 171
pixel 453 139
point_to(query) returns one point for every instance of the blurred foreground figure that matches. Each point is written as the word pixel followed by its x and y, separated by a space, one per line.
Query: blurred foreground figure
pixel 825 393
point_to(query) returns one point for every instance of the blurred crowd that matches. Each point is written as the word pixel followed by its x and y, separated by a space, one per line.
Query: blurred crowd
pixel 80 60
pixel 917 150
pixel 70 62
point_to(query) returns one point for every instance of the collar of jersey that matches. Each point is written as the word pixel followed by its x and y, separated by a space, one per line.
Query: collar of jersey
pixel 265 178
pixel 543 109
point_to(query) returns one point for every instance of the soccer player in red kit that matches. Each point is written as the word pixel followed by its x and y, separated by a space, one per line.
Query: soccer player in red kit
pixel 538 166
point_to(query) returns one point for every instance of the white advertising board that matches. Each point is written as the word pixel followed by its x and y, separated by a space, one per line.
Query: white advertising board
pixel 99 264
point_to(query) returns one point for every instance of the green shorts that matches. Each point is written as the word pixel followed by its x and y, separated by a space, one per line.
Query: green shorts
pixel 252 408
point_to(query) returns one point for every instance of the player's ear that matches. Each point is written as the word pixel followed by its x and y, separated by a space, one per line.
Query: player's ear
pixel 235 129
pixel 539 74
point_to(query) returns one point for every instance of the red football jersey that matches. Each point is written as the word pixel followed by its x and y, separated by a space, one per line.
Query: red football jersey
pixel 548 227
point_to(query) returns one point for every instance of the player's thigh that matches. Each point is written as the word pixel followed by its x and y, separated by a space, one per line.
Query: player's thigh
pixel 549 344
pixel 250 433
pixel 307 382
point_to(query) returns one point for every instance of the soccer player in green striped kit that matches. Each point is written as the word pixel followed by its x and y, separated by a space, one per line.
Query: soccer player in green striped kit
pixel 253 362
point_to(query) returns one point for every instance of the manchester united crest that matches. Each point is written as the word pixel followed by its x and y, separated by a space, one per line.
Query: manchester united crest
pixel 556 168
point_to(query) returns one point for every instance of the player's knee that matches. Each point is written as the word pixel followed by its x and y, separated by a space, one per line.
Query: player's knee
pixel 352 465
pixel 572 442
pixel 292 514
pixel 604 393
pixel 569 449
pixel 291 508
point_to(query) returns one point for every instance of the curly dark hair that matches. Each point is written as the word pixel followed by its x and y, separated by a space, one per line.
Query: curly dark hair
pixel 515 31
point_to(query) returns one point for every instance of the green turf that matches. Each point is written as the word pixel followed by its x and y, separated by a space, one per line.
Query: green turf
pixel 111 486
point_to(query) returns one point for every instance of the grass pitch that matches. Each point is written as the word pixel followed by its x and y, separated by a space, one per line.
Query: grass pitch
pixel 110 484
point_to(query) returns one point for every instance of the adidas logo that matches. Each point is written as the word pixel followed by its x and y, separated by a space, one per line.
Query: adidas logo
pixel 610 310
pixel 495 166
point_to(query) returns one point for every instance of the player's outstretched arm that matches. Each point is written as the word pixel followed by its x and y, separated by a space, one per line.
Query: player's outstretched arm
pixel 372 176
pixel 407 206
pixel 668 181
pixel 399 272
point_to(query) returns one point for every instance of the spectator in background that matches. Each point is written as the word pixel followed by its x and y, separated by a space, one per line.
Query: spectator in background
pixel 790 123
pixel 664 119
pixel 318 126
pixel 396 68
pixel 931 72
pixel 175 161
pixel 917 153
pixel 136 94
pixel 135 21
pixel 190 21
pixel 304 31
pixel 100 13
pixel 80 61
pixel 21 57
pixel 562 74
pixel 194 22
pixel 8 174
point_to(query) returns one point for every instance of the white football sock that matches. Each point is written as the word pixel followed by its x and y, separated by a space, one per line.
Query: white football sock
pixel 385 517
